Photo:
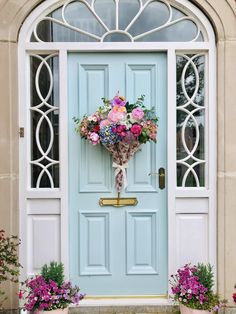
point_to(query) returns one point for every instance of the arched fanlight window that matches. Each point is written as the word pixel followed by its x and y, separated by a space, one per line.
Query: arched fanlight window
pixel 118 21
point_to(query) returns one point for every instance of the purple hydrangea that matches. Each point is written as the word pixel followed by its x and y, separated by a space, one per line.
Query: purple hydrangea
pixel 108 136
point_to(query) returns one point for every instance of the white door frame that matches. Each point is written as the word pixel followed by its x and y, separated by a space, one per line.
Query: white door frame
pixel 202 201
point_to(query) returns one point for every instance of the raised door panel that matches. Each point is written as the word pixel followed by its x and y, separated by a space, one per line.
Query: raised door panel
pixel 94 239
pixel 141 80
pixel 42 230
pixel 93 178
pixel 192 238
pixel 93 82
pixel 142 242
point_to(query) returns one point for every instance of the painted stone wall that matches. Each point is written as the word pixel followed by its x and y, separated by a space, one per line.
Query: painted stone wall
pixel 222 14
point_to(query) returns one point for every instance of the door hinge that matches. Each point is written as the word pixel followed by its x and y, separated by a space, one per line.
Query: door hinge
pixel 22 132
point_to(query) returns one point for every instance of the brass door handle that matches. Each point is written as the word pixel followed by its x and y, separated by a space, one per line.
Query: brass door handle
pixel 162 177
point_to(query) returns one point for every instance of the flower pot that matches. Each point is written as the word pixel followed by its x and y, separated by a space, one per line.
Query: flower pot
pixel 187 310
pixel 57 311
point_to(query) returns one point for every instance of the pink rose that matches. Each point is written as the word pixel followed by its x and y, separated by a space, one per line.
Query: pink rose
pixel 94 138
pixel 137 113
pixel 136 130
pixel 116 114
pixel 120 130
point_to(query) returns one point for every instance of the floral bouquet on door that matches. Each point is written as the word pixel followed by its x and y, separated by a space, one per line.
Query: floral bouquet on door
pixel 121 127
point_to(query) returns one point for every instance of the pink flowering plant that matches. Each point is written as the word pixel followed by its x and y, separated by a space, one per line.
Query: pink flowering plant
pixel 192 286
pixel 121 127
pixel 48 291
pixel 234 295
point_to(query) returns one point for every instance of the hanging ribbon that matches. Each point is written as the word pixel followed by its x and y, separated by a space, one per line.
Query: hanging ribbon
pixel 121 168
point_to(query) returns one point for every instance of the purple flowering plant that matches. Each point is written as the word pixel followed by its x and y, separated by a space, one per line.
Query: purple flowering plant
pixel 192 286
pixel 48 291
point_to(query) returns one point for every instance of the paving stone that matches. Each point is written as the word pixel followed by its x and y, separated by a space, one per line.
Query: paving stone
pixel 126 309
pixel 84 310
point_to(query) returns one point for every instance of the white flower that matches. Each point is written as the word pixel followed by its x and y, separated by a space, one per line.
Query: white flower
pixel 125 122
pixel 189 291
pixel 90 118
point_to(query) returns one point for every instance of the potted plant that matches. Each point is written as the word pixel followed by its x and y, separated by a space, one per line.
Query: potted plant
pixel 9 265
pixel 192 287
pixel 48 293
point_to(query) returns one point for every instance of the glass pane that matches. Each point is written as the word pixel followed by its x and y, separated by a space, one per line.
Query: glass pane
pixel 194 71
pixel 44 122
pixel 106 9
pixel 117 37
pixel 78 14
pixel 127 11
pixel 181 31
pixel 154 15
pixel 190 132
pixel 44 31
pixel 200 37
pixel 177 14
pixel 61 33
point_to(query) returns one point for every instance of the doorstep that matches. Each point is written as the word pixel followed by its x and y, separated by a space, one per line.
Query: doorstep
pixel 125 306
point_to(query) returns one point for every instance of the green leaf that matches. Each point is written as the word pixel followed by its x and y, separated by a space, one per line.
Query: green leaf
pixel 54 271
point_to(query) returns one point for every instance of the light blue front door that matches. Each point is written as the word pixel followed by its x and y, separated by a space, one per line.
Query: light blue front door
pixel 117 251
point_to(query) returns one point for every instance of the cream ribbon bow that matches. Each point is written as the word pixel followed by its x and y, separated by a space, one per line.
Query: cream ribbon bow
pixel 121 168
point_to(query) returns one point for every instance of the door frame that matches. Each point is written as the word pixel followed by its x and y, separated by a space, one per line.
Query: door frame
pixel 177 198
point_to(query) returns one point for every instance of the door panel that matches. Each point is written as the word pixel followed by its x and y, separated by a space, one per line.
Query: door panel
pixel 117 251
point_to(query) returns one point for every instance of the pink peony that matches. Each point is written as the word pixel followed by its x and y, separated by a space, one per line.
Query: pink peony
pixel 137 113
pixel 94 138
pixel 116 114
pixel 136 129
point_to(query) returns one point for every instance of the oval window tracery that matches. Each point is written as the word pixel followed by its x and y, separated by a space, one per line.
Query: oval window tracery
pixel 118 21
